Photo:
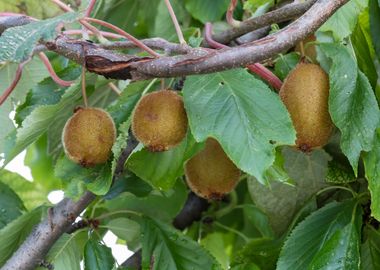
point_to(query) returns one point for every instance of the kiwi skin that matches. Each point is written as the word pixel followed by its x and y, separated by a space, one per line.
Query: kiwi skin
pixel 305 93
pixel 210 173
pixel 88 136
pixel 159 120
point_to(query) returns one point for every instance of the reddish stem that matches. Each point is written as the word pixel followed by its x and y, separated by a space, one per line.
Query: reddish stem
pixel 62 5
pixel 12 87
pixel 125 34
pixel 230 14
pixel 90 8
pixel 257 68
pixel 51 71
pixel 175 22
pixel 103 33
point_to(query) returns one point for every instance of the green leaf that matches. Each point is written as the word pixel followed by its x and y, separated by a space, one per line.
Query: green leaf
pixel 286 63
pixel 374 17
pixel 39 121
pixel 14 234
pixel 31 194
pixel 232 106
pixel 65 253
pixel 259 219
pixel 343 22
pixel 17 43
pixel 124 228
pixel 30 7
pixel 341 251
pixel 339 174
pixel 352 103
pixel 152 205
pixel 281 201
pixel 214 243
pixel 161 169
pixel 207 10
pixel 170 249
pixel 317 234
pixel 97 256
pixel 370 250
pixel 372 172
pixel 10 205
pixel 97 179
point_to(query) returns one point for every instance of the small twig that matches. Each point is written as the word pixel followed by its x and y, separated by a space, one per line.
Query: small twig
pixel 175 22
pixel 51 71
pixel 257 68
pixel 90 8
pixel 125 34
pixel 13 85
pixel 230 14
pixel 114 88
pixel 84 94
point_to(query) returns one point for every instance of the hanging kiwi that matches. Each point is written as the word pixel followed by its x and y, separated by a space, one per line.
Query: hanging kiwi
pixel 88 136
pixel 159 120
pixel 305 94
pixel 210 173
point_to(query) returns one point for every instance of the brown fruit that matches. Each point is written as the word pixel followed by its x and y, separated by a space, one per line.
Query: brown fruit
pixel 88 136
pixel 305 94
pixel 210 173
pixel 309 48
pixel 159 120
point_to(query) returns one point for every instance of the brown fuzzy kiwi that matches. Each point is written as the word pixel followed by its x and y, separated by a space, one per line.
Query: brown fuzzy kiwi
pixel 88 136
pixel 305 94
pixel 159 120
pixel 309 48
pixel 210 173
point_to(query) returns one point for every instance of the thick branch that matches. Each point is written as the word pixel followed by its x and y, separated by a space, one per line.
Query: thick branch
pixel 199 61
pixel 285 13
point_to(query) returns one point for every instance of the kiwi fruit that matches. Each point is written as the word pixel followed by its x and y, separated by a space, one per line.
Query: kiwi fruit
pixel 88 136
pixel 159 120
pixel 305 93
pixel 210 173
pixel 309 48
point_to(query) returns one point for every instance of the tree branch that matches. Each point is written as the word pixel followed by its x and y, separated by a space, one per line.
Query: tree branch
pixel 198 60
pixel 285 13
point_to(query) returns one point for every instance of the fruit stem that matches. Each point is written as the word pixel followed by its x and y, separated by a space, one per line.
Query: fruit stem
pixel 84 94
pixel 90 8
pixel 175 22
pixel 256 68
pixel 230 14
pixel 51 71
pixel 114 88
pixel 123 33
pixel 149 86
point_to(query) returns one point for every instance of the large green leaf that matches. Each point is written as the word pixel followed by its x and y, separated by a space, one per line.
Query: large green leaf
pixel 372 171
pixel 10 204
pixel 161 169
pixel 343 22
pixel 30 7
pixel 207 10
pixel 172 201
pixel 17 43
pixel 374 16
pixel 12 235
pixel 364 52
pixel 352 103
pixel 32 194
pixel 39 121
pixel 232 106
pixel 97 256
pixel 65 253
pixel 124 228
pixel 329 236
pixel 165 248
pixel 370 250
pixel 281 201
